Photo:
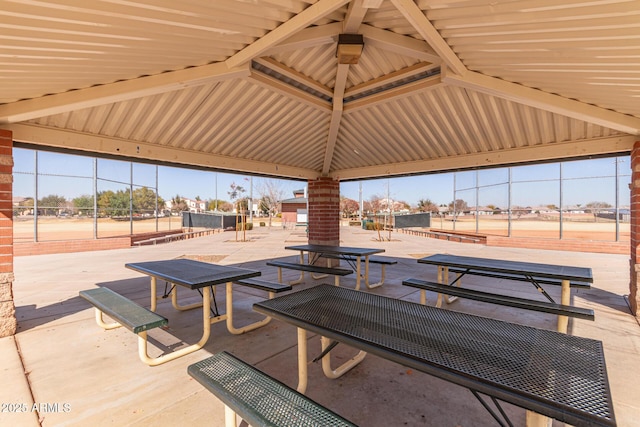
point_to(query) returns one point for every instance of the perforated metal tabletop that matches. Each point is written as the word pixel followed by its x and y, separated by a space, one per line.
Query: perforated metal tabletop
pixel 554 374
pixel 192 274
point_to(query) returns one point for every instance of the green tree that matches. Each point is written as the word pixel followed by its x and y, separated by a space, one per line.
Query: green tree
pixel 51 204
pixel 83 204
pixel 216 204
pixel 144 201
pixel 112 203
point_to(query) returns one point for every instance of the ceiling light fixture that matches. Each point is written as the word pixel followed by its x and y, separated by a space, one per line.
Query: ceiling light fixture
pixel 349 48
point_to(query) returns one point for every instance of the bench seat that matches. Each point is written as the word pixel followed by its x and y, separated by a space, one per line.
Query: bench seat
pixel 264 285
pixel 509 276
pixel 372 259
pixel 124 311
pixel 542 306
pixel 258 398
pixel 334 271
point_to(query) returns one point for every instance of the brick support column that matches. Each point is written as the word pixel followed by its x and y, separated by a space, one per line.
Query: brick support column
pixel 7 308
pixel 324 212
pixel 634 296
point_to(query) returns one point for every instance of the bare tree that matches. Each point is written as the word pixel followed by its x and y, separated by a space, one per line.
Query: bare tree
pixel 426 205
pixel 271 194
pixel 348 206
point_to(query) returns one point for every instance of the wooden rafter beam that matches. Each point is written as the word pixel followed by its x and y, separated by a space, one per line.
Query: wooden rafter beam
pixel 423 26
pixel 287 29
pixel 294 75
pixel 390 78
pixel 543 100
pixel 288 90
pixel 309 37
pixel 410 89
pixel 398 44
pixel 336 116
pixel 120 91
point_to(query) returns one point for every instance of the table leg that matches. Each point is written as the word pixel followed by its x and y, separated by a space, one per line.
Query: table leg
pixel 300 279
pixel 534 419
pixel 229 315
pixel 366 274
pixel 154 296
pixel 302 360
pixel 565 299
pixel 229 417
pixel 318 276
pixel 342 369
pixel 206 325
pixel 174 301
pixel 359 272
pixel 443 278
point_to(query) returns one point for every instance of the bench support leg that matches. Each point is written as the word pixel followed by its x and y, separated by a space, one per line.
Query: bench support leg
pixel 342 369
pixel 229 315
pixel 100 321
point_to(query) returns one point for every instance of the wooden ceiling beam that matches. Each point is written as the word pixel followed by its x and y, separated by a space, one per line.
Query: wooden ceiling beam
pixel 423 26
pixel 119 91
pixel 543 100
pixel 297 23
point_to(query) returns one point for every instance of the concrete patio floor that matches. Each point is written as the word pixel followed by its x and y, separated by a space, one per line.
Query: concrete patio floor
pixel 79 375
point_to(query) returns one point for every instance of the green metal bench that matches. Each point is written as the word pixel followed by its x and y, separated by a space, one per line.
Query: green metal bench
pixel 125 313
pixel 258 398
pixel 334 271
pixel 519 277
pixel 542 306
pixel 264 285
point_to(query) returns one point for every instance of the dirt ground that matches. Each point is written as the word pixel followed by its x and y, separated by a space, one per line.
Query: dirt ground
pixel 573 227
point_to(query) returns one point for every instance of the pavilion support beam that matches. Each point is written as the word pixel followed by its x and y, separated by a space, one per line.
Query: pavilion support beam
pixel 634 284
pixel 133 150
pixel 551 152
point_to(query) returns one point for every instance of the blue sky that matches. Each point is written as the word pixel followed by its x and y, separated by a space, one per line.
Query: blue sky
pixel 536 185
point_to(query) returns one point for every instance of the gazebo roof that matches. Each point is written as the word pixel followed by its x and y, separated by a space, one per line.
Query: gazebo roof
pixel 256 86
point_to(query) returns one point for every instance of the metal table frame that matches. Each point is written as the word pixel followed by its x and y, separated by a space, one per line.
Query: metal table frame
pixel 202 277
pixel 527 270
pixel 548 373
pixel 342 252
